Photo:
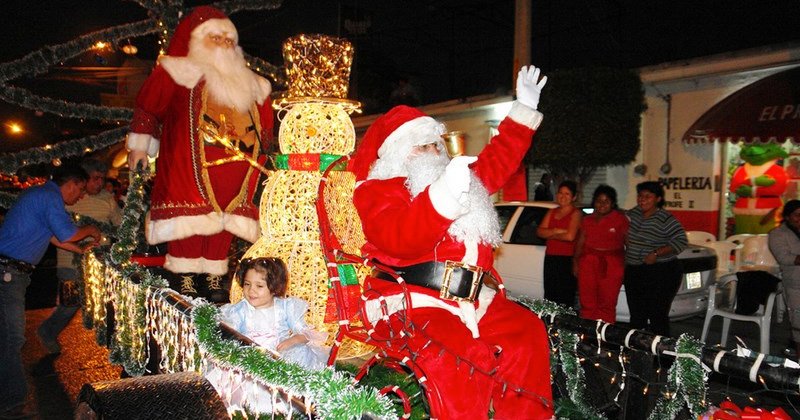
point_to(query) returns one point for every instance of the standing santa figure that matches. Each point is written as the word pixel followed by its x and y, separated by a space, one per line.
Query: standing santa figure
pixel 431 219
pixel 201 198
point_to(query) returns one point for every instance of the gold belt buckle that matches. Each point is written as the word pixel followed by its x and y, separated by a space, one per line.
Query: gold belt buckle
pixel 449 266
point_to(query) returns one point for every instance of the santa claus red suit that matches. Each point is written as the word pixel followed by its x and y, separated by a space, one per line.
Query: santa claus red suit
pixel 200 198
pixel 421 213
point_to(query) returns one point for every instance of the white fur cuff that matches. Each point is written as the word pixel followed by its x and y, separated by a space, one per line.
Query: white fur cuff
pixel 525 115
pixel 139 142
pixel 152 150
pixel 195 265
pixel 243 227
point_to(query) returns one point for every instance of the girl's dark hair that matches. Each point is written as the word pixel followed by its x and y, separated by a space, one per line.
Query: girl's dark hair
pixel 789 208
pixel 571 185
pixel 273 269
pixel 607 191
pixel 653 187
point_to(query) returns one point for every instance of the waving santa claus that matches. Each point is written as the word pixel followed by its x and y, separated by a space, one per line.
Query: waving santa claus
pixel 201 198
pixel 431 219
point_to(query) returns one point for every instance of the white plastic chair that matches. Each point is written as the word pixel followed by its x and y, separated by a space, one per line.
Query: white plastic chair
pixel 727 310
pixel 739 239
pixel 698 237
pixel 724 251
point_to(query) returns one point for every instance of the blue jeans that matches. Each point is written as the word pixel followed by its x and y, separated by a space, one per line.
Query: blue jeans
pixel 13 384
pixel 59 319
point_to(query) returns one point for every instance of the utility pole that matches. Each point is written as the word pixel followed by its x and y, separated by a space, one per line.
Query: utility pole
pixel 522 37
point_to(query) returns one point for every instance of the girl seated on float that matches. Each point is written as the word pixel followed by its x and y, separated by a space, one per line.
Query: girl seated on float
pixel 271 321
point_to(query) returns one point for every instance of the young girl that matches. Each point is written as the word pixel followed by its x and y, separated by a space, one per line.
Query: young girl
pixel 271 320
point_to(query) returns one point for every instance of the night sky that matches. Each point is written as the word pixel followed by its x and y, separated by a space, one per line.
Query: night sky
pixel 446 49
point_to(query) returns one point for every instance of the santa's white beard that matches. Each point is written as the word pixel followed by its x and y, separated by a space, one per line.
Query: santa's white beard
pixel 480 224
pixel 228 79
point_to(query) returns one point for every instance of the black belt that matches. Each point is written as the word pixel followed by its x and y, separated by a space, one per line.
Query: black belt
pixel 14 263
pixel 454 280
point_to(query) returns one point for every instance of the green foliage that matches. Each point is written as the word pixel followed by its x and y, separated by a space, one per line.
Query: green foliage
pixel 592 119
pixel 687 382
pixel 380 376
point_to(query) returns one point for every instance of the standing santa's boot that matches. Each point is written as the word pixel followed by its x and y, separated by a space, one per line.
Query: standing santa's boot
pixel 187 285
pixel 216 292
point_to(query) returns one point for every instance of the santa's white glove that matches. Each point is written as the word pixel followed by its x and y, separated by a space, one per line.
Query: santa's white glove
pixel 529 87
pixel 449 193
pixel 457 175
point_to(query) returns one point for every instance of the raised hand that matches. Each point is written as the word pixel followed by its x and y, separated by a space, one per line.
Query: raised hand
pixel 529 86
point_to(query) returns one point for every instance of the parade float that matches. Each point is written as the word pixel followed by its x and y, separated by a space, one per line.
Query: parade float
pixel 163 339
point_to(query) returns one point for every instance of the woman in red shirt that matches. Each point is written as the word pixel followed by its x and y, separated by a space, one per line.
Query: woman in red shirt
pixel 560 228
pixel 599 259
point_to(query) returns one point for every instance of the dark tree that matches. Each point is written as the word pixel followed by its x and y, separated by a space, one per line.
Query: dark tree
pixel 592 119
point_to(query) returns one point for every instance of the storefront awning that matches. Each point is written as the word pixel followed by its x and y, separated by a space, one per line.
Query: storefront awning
pixel 765 111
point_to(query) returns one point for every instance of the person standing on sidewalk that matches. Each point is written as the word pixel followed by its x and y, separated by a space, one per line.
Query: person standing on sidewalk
pixel 653 273
pixel 784 243
pixel 34 221
pixel 100 205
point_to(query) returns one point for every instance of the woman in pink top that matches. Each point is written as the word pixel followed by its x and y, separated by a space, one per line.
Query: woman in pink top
pixel 560 228
pixel 600 256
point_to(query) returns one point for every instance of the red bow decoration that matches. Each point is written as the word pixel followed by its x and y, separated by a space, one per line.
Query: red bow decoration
pixel 730 411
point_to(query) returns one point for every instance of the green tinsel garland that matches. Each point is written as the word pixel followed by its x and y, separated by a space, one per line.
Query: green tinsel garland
pixel 331 392
pixel 544 308
pixel 26 99
pixel 578 406
pixel 132 216
pixel 687 378
pixel 10 163
pixel 39 61
pixel 687 382
pixel 573 371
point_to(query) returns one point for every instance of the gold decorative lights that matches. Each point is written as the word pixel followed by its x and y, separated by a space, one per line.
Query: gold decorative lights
pixel 318 68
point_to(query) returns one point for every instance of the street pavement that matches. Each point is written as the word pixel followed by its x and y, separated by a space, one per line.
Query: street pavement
pixel 56 380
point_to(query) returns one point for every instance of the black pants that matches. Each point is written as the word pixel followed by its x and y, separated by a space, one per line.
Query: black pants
pixel 560 285
pixel 650 290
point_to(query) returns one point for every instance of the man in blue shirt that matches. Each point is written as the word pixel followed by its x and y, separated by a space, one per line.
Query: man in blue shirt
pixel 37 219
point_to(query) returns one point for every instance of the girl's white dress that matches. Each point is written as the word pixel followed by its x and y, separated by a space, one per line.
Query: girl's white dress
pixel 267 327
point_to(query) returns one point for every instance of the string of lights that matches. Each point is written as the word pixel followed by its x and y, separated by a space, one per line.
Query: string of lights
pixel 685 387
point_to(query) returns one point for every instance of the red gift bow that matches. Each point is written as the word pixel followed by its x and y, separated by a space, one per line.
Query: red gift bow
pixel 730 411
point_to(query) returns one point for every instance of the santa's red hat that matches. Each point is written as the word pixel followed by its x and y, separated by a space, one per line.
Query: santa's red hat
pixel 392 135
pixel 202 20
